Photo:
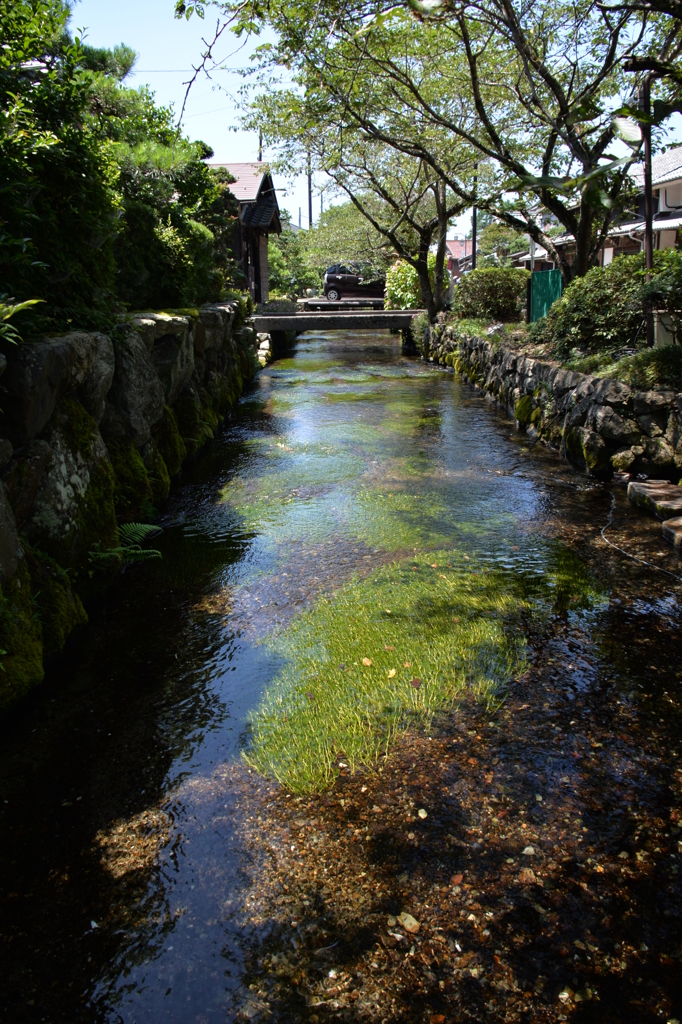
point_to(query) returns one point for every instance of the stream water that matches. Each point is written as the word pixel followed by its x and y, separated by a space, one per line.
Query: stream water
pixel 360 505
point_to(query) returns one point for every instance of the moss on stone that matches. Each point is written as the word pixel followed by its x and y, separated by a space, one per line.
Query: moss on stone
pixel 132 490
pixel 157 472
pixel 169 441
pixel 59 607
pixel 196 420
pixel 21 639
pixel 536 416
pixel 524 410
pixel 77 427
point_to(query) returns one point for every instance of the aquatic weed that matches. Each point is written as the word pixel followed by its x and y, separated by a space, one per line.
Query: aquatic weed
pixel 393 649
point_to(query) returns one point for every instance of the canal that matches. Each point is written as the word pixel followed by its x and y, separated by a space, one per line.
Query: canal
pixel 386 652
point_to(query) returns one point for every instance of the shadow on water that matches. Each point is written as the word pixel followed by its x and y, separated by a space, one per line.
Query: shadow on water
pixel 148 875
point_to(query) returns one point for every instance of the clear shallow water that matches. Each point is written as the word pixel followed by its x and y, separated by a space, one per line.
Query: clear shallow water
pixel 123 786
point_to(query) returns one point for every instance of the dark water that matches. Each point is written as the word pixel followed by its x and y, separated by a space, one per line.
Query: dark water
pixel 126 889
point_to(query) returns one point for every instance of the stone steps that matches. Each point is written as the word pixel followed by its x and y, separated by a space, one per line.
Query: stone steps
pixel 660 497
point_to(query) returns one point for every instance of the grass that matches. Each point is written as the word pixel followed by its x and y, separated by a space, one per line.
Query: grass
pixel 450 625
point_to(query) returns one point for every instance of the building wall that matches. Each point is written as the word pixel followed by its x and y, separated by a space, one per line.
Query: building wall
pixel 264 275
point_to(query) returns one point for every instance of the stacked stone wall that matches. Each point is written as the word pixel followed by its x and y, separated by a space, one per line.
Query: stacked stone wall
pixel 603 425
pixel 92 429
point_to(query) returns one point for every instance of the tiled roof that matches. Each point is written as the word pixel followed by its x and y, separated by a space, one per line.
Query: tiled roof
pixel 457 248
pixel 259 214
pixel 664 167
pixel 249 178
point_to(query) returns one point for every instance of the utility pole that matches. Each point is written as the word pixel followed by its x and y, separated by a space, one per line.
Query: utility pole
pixel 310 192
pixel 260 147
pixel 473 221
pixel 299 216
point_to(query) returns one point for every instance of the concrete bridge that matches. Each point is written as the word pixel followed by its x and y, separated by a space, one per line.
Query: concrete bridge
pixel 333 320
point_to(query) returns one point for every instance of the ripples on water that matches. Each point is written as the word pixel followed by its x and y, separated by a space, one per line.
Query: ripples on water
pixel 126 884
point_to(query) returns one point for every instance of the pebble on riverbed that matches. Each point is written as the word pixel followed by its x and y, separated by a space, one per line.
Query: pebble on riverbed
pixel 495 939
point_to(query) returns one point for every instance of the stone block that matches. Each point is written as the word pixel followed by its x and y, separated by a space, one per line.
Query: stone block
pixel 672 531
pixel 173 359
pixel 23 475
pixel 608 424
pixel 648 424
pixel 146 328
pixel 6 449
pixel 611 392
pixel 136 398
pixel 646 402
pixel 40 372
pixel 659 496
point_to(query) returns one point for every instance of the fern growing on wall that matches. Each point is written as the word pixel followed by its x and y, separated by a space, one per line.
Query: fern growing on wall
pixel 131 536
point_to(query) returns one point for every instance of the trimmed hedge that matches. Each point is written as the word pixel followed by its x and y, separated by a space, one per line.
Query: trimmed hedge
pixel 492 293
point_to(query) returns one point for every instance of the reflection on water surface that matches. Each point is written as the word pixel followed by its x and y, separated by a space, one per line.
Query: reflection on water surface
pixel 360 506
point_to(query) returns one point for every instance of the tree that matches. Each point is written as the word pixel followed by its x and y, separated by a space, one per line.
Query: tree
pixel 59 204
pixel 530 88
pixel 497 241
pixel 403 200
pixel 290 267
pixel 344 235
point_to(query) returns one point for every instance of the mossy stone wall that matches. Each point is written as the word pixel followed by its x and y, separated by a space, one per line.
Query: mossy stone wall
pixel 603 425
pixel 102 449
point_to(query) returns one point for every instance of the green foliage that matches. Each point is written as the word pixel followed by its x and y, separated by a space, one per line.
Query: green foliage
pixel 126 115
pixel 101 200
pixel 290 268
pixel 343 235
pixel 605 309
pixel 132 536
pixel 117 62
pixel 174 248
pixel 402 284
pixel 7 310
pixel 652 367
pixel 492 293
pixel 402 287
pixel 59 209
pixel 496 242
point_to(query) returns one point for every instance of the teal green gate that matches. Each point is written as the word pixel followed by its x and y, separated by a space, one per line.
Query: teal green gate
pixel 545 289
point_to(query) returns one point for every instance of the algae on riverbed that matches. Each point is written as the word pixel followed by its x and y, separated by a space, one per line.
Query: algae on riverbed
pixel 392 650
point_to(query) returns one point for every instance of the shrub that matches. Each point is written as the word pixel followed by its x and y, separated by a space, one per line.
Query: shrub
pixel 605 310
pixel 402 287
pixel 402 284
pixel 492 293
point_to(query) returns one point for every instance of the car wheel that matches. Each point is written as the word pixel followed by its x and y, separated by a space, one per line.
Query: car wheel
pixel 333 295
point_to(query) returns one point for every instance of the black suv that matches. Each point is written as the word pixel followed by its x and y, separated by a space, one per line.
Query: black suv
pixel 350 282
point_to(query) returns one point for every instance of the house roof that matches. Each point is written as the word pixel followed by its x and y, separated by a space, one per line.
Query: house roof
pixel 664 167
pixel 255 192
pixel 249 179
pixel 457 248
pixel 259 214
